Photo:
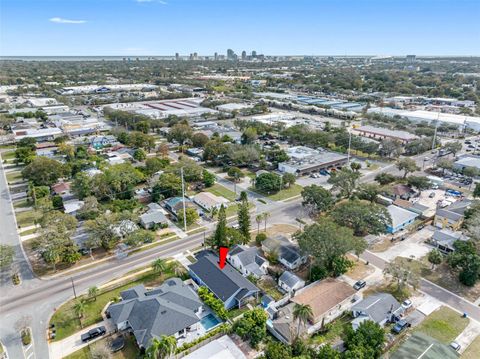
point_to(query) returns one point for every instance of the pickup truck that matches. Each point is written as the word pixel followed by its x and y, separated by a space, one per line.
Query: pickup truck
pixel 93 333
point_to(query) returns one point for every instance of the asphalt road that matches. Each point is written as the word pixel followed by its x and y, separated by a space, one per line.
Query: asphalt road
pixel 435 291
pixel 35 300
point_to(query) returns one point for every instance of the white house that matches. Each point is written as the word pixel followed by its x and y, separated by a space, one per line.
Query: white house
pixel 247 260
pixel 290 283
pixel 209 201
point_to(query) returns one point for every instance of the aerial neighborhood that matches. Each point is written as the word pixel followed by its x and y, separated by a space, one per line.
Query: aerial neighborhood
pixel 345 190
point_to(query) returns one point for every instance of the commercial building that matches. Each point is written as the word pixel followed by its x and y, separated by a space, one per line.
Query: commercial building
pixel 380 133
pixel 304 160
pixel 460 121
pixel 231 107
pixel 467 161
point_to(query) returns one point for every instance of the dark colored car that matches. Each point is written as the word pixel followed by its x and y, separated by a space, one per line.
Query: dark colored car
pixel 93 333
pixel 400 326
pixel 324 172
pixel 359 285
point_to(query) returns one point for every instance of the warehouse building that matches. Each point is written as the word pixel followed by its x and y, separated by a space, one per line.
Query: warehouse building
pixel 380 133
pixel 305 160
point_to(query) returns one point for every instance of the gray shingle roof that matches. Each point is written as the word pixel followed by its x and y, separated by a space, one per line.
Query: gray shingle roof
pixel 249 258
pixel 289 279
pixel 225 282
pixel 378 306
pixel 163 311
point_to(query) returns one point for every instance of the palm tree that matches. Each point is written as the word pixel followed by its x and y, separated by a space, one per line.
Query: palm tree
pixel 93 292
pixel 266 215
pixel 258 219
pixel 79 309
pixel 177 268
pixel 159 266
pixel 162 348
pixel 302 312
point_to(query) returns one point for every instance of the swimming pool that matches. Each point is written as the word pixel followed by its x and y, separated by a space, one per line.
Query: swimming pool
pixel 209 321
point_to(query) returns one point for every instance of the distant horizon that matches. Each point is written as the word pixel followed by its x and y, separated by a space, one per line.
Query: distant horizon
pixel 151 27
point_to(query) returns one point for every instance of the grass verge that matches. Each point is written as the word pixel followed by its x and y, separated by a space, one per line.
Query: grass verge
pixel 222 191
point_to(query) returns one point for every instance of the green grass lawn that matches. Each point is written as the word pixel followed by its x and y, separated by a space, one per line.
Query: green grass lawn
pixel 472 350
pixel 444 324
pixel 236 312
pixel 10 155
pixel 270 287
pixel 68 323
pixel 14 176
pixel 219 190
pixel 27 218
pixel 293 191
pixel 27 232
pixel 22 204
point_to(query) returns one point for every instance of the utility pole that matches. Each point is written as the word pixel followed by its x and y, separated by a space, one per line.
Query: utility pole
pixel 435 133
pixel 183 197
pixel 73 287
pixel 349 145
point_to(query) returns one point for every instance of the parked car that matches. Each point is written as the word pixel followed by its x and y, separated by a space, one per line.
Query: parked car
pixel 420 227
pixel 400 326
pixel 407 304
pixel 455 346
pixel 431 195
pixel 359 285
pixel 93 333
pixel 324 172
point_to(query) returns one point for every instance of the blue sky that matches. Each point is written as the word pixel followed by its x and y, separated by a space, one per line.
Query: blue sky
pixel 274 27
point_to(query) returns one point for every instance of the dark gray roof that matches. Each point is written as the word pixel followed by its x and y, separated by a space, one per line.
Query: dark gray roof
pixel 456 210
pixel 445 213
pixel 163 311
pixel 289 279
pixel 222 282
pixel 153 217
pixel 446 237
pixel 290 253
pixel 378 306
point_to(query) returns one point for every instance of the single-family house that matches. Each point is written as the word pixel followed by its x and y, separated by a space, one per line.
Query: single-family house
pixel 72 206
pixel 175 205
pixel 402 191
pixel 443 239
pixel 62 189
pixel 401 218
pixel 287 253
pixel 173 309
pixel 208 200
pixel 227 284
pixel 221 348
pixel 124 228
pixel 247 260
pixel 290 282
pixel 154 218
pixel 452 217
pixel 328 299
pixel 380 308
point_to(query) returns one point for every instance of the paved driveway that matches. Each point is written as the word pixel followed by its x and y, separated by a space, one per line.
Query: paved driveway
pixel 412 246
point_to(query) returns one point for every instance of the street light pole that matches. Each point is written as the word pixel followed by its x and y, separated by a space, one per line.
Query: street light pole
pixel 183 197
pixel 73 287
pixel 349 146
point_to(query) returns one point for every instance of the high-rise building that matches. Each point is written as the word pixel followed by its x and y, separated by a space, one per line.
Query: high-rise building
pixel 195 56
pixel 230 54
pixel 411 59
pixel 244 55
pixel 254 54
pixel 177 56
pixel 191 56
pixel 215 56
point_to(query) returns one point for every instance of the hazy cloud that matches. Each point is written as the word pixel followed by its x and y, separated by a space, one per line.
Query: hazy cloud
pixel 61 20
pixel 157 1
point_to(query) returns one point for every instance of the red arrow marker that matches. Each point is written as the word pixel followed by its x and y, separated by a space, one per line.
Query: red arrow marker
pixel 223 257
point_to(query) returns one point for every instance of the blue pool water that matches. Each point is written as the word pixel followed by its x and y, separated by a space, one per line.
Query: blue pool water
pixel 209 321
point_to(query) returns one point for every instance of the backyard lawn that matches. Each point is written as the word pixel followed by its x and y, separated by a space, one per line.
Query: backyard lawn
pixel 444 324
pixel 68 323
pixel 269 286
pixel 333 333
pixel 220 190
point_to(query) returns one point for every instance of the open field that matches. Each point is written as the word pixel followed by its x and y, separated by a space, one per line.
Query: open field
pixel 219 190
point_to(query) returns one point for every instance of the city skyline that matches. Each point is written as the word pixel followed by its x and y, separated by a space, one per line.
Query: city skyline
pixel 163 28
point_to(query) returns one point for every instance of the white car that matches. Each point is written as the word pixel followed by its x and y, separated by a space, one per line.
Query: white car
pixel 455 346
pixel 406 304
